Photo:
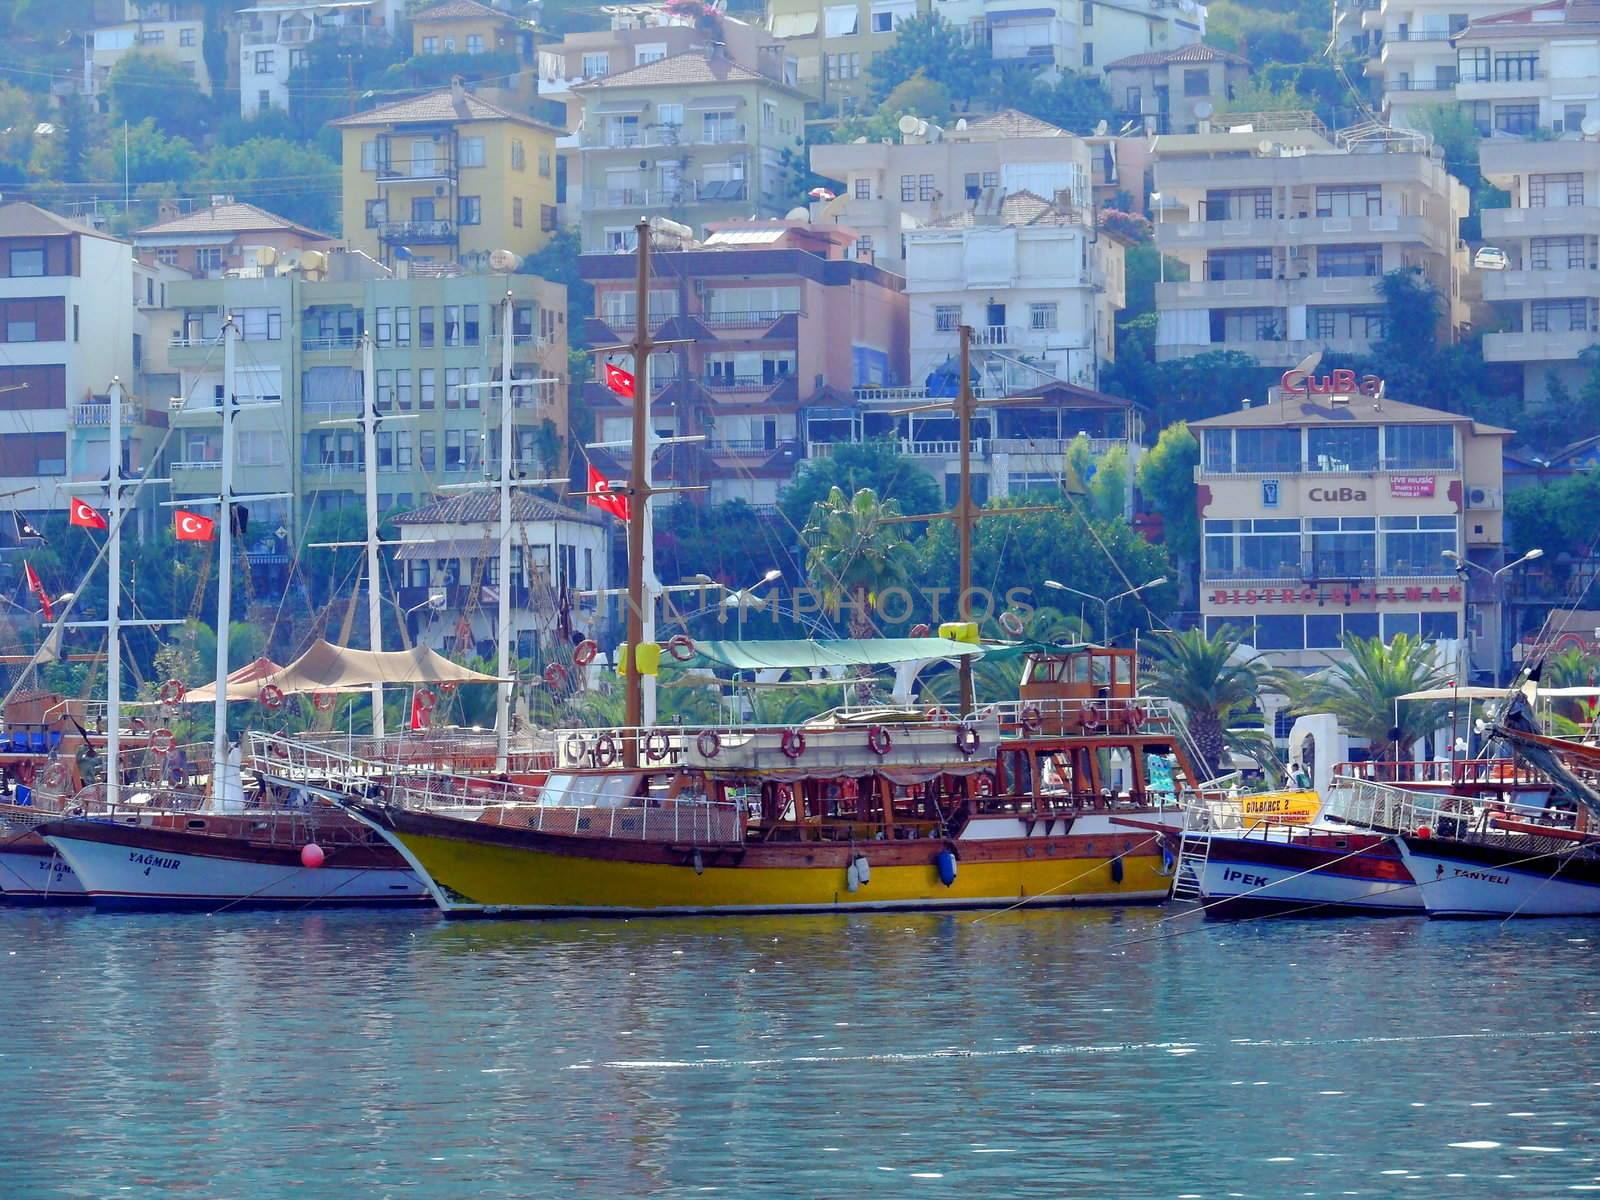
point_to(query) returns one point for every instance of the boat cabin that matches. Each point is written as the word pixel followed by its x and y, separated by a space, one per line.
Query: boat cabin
pixel 1079 688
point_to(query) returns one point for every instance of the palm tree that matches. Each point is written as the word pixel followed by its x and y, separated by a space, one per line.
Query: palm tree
pixel 855 549
pixel 1572 667
pixel 1216 687
pixel 1363 689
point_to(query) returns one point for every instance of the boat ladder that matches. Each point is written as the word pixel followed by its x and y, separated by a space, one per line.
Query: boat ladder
pixel 1194 852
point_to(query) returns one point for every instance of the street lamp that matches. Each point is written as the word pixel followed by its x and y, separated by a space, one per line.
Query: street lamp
pixel 434 602
pixel 1106 603
pixel 1463 563
pixel 736 599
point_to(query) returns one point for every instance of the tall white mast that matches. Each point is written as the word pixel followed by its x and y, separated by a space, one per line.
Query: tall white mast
pixel 502 715
pixel 114 598
pixel 369 433
pixel 219 739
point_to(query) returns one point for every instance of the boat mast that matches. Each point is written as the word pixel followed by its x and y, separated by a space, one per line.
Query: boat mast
pixel 219 738
pixel 639 491
pixel 965 515
pixel 502 716
pixel 369 436
pixel 114 598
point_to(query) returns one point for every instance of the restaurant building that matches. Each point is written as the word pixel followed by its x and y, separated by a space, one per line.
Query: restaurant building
pixel 1331 510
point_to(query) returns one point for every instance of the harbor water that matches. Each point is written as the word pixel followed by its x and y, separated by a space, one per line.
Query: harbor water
pixel 1091 1053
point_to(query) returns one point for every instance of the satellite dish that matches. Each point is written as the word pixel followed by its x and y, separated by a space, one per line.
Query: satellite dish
pixel 1590 126
pixel 1264 146
pixel 907 124
pixel 505 261
pixel 860 141
pixel 1100 129
pixel 1204 109
pixel 922 129
pixel 961 124
pixel 798 214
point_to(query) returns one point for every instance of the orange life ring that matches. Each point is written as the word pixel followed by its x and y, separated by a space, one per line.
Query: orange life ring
pixel 1031 718
pixel 793 743
pixel 55 777
pixel 584 652
pixel 556 677
pixel 1134 716
pixel 709 743
pixel 162 740
pixel 271 696
pixel 920 631
pixel 681 647
pixel 322 701
pixel 448 687
pixel 426 700
pixel 985 784
pixel 605 750
pixel 656 745
pixel 1091 719
pixel 575 747
pixel 879 741
pixel 173 692
pixel 1011 623
pixel 138 725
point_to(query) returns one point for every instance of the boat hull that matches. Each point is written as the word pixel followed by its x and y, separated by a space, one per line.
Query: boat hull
pixel 33 873
pixel 1465 879
pixel 134 868
pixel 1312 875
pixel 492 870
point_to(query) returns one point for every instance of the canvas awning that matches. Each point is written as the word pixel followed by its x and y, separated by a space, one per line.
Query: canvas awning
pixel 832 652
pixel 789 25
pixel 329 668
pixel 243 684
pixel 1489 693
pixel 417 549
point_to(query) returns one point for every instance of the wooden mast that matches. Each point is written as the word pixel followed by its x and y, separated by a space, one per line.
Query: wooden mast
pixel 639 489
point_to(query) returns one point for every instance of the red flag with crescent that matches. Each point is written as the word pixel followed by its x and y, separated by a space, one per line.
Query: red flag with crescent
pixel 86 515
pixel 192 527
pixel 619 381
pixel 37 589
pixel 602 496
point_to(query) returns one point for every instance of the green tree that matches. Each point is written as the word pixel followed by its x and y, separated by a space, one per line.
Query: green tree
pixel 1077 101
pixel 144 86
pixel 1166 482
pixel 255 172
pixel 935 48
pixel 76 137
pixel 1363 689
pixel 854 549
pixel 1108 490
pixel 920 96
pixel 1218 685
pixel 148 155
pixel 877 465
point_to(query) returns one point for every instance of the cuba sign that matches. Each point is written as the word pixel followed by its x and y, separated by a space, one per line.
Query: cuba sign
pixel 1341 382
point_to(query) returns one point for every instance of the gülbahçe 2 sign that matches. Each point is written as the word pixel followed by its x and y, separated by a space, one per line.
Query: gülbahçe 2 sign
pixel 1341 382
pixel 1338 594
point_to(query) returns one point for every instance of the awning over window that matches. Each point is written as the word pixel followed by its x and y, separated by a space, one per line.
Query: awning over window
pixel 620 106
pixel 416 551
pixel 788 25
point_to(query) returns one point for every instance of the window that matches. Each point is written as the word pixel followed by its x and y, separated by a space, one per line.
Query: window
pixel 1243 204
pixel 453 460
pixel 544 164
pixel 1088 54
pixel 377 213
pixel 864 249
pixel 1544 191
pixel 908 192
pixel 1419 448
pixel 152 37
pixel 259 324
pixel 1572 117
pixel 882 22
pixel 519 155
pixel 452 325
pixel 1557 253
pixel 24 329
pixel 469 210
pixel 1343 262
pixel 264 62
pixel 1246 325
pixel 430 45
pixel 425 388
pixel 1440 626
pixel 1516 66
pixel 595 65
pixel 1197 82
pixel 1344 448
pixel 1266 548
pixel 649 54
pixel 1357 324
pixel 402 390
pixel 863 188
pixel 1352 200
pixel 669 115
pixel 1516 118
pixel 469 324
pixel 1238 264
pixel 425 325
pixel 840 20
pixel 385 448
pixel 1280 632
pixel 1343 547
pixel 925 189
pixel 263 99
pixel 844 66
pixel 27 263
pixel 427 449
pixel 474 43
pixel 385 323
pixel 1323 631
pixel 1472 64
pixel 1560 316
pixel 186 36
pixel 1267 451
pixel 471 151
pixel 1217 451
pixel 384 400
pixel 1416 545
pixel 1042 316
pixel 516 211
pixel 1135 101
pixel 946 318
pixel 167 256
pixel 1394 624
pixel 547 218
pixel 297 60
pixel 991 179
pixel 402 326
pixel 452 387
pixel 1088 12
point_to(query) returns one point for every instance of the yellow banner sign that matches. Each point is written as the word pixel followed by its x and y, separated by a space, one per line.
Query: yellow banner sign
pixel 1280 808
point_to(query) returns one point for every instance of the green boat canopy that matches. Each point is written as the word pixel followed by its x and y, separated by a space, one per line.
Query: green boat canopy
pixel 833 652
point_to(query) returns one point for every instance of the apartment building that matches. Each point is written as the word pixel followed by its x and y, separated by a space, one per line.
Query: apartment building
pixel 694 136
pixel 174 29
pixel 446 177
pixel 1329 513
pixel 438 341
pixel 887 188
pixel 275 38
pixel 1286 234
pixel 1548 297
pixel 1113 30
pixel 641 34
pixel 224 237
pixel 498 41
pixel 833 44
pixel 68 329
pixel 1409 50
pixel 1173 91
pixel 784 324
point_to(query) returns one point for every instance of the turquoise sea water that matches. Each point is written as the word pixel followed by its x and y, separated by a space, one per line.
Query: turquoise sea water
pixel 1039 1054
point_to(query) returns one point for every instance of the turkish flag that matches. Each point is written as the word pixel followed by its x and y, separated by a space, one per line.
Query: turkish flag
pixel 191 527
pixel 86 515
pixel 603 497
pixel 37 589
pixel 419 714
pixel 619 381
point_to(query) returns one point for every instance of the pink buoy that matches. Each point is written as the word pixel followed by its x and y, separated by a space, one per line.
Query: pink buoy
pixel 1424 832
pixel 311 855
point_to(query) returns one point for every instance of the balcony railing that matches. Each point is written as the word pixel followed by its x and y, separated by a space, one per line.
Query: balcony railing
pixel 1419 35
pixel 91 414
pixel 417 231
pixel 1420 85
pixel 995 335
pixel 663 135
pixel 1525 76
pixel 342 342
pixel 739 383
pixel 201 464
pixel 757 319
pixel 942 449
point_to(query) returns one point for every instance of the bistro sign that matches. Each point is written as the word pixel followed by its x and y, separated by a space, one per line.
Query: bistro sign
pixel 1339 594
pixel 1341 382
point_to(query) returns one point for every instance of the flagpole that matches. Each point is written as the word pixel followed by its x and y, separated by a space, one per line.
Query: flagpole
pixel 502 716
pixel 219 738
pixel 638 500
pixel 369 436
pixel 114 602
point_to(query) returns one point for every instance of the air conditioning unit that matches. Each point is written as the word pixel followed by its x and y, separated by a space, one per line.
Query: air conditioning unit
pixel 1479 497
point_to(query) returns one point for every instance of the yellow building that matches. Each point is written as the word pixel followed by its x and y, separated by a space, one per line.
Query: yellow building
pixel 467 27
pixel 447 177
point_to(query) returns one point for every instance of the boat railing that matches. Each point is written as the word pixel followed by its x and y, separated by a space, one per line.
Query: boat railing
pixel 680 822
pixel 1388 809
pixel 1128 714
pixel 1452 773
pixel 444 750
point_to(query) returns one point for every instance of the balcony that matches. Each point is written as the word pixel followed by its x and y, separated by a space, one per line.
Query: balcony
pixel 1269 293
pixel 1541 283
pixel 1419 35
pixel 1420 85
pixel 1268 353
pixel 740 383
pixel 415 170
pixel 671 136
pixel 1296 231
pixel 1539 346
pixel 940 449
pixel 1503 224
pixel 90 415
pixel 197 465
pixel 755 319
pixel 419 232
pixel 323 345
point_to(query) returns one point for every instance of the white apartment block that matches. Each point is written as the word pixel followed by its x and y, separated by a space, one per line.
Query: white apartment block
pixel 1535 69
pixel 171 28
pixel 1410 51
pixel 1286 234
pixel 891 188
pixel 274 39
